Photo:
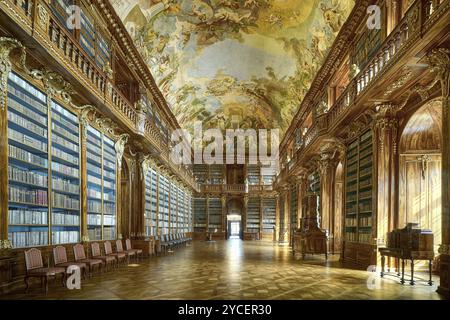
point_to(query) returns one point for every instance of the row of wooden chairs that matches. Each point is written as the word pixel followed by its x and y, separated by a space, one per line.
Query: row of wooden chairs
pixel 35 266
pixel 168 242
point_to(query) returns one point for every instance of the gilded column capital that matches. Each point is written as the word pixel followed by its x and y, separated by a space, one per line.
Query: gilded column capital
pixel 384 121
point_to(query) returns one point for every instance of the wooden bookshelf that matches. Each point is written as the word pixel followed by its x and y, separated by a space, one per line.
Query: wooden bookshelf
pixel 269 216
pixel 293 207
pixel 43 168
pixel 253 219
pixel 173 212
pixel 101 186
pixel 163 205
pixel 200 212
pixel 216 174
pixel 253 174
pixel 359 228
pixel 215 215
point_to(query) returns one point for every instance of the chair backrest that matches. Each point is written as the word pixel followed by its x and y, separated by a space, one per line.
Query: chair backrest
pixel 166 238
pixel 78 252
pixel 95 248
pixel 108 248
pixel 119 246
pixel 128 244
pixel 59 255
pixel 33 259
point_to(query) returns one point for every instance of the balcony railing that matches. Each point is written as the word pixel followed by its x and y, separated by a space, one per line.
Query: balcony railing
pixel 234 188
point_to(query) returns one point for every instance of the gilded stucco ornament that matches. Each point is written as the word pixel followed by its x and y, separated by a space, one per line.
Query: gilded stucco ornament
pixel 120 147
pixel 444 249
pixel 7 45
pixel 5 245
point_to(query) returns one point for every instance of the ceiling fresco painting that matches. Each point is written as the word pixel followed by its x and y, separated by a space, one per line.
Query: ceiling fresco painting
pixel 234 63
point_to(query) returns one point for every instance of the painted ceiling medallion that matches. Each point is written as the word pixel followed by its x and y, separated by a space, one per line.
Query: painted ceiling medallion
pixel 228 61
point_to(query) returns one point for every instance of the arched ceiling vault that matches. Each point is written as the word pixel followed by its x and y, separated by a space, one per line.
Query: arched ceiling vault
pixel 230 63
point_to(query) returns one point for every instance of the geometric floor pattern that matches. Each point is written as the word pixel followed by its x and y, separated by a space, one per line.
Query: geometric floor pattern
pixel 238 270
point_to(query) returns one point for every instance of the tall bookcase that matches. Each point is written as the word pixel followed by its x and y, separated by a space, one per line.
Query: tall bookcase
pixel 43 168
pixel 148 204
pixel 253 172
pixel 359 229
pixel 253 215
pixel 201 173
pixel 215 214
pixel 293 206
pixel 216 173
pixel 163 205
pixel 199 210
pixel 173 208
pixel 269 215
pixel 65 176
pixel 101 186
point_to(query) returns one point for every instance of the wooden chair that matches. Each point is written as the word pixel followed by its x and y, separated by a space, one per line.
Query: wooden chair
pixel 96 254
pixel 128 247
pixel 80 256
pixel 35 269
pixel 60 259
pixel 128 253
pixel 119 256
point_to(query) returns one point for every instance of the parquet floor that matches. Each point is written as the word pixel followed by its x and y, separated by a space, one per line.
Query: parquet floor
pixel 234 270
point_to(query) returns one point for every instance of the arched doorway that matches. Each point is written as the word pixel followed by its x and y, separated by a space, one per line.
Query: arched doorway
pixel 338 203
pixel 420 170
pixel 234 218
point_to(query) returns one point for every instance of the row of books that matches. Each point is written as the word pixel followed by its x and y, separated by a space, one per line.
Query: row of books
pixel 66 134
pixel 92 157
pixel 65 219
pixel 351 207
pixel 109 164
pixel 365 222
pixel 66 123
pixel 93 149
pixel 65 156
pixel 27 140
pixel 65 143
pixel 65 201
pixel 365 206
pixel 65 185
pixel 365 194
pixel 31 96
pixel 109 175
pixel 351 222
pixel 65 236
pixel 94 219
pixel 109 220
pixel 109 233
pixel 62 111
pixel 93 168
pixel 365 237
pixel 95 233
pixel 62 168
pixel 25 176
pixel 23 155
pixel 21 195
pixel 28 239
pixel 351 236
pixel 22 122
pixel 95 180
pixel 109 208
pixel 13 104
pixel 23 217
pixel 94 206
pixel 365 171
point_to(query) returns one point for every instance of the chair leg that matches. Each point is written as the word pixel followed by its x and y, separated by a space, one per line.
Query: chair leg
pixel 27 284
pixel 46 284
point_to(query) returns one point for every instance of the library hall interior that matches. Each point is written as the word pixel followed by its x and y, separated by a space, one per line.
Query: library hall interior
pixel 224 150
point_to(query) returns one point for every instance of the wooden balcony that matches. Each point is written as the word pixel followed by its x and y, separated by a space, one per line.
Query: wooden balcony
pixel 234 188
pixel 37 20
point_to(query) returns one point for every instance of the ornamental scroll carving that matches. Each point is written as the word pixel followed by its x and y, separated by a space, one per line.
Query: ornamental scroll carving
pixel 7 45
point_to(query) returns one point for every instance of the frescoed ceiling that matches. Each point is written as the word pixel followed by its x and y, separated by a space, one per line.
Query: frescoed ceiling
pixel 234 63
